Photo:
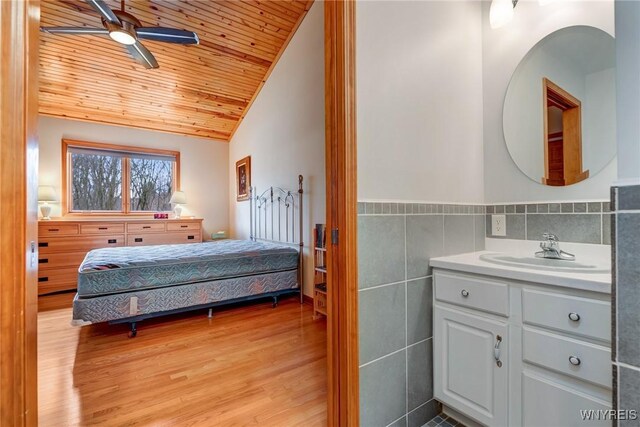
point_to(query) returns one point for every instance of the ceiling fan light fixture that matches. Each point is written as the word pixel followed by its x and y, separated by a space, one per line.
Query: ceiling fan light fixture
pixel 122 36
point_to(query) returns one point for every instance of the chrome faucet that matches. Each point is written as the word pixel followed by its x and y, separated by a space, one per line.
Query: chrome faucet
pixel 551 249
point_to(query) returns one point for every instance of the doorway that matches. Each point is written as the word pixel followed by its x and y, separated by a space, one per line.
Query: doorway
pixel 562 116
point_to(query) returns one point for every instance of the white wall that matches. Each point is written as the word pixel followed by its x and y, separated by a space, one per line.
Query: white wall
pixel 503 49
pixel 284 132
pixel 419 101
pixel 628 94
pixel 204 164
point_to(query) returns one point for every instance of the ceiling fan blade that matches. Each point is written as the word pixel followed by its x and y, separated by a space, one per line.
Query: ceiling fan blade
pixel 74 30
pixel 169 35
pixel 142 55
pixel 105 12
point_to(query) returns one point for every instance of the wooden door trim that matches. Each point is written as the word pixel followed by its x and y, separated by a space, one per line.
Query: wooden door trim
pixel 571 116
pixel 19 42
pixel 341 176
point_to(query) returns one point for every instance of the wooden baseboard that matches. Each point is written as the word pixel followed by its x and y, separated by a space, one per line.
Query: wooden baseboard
pixel 307 299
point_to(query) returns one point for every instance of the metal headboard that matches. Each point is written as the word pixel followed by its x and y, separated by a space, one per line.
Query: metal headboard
pixel 273 217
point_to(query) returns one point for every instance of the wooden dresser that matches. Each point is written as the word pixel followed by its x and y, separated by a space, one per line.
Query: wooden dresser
pixel 63 243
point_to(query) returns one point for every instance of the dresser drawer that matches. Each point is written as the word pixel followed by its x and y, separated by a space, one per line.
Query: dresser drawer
pixel 102 228
pixel 78 244
pixel 181 226
pixel 163 238
pixel 581 316
pixel 481 294
pixel 569 356
pixel 57 229
pixel 62 279
pixel 60 260
pixel 145 227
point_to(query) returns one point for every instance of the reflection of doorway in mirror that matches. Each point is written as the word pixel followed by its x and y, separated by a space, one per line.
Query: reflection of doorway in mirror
pixel 562 120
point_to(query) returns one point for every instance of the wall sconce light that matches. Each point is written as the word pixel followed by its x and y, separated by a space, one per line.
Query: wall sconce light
pixel 501 12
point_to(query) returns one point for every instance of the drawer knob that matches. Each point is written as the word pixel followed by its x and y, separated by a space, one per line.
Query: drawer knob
pixel 574 360
pixel 574 316
pixel 464 293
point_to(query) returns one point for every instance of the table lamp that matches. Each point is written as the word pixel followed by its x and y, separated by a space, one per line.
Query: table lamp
pixel 46 194
pixel 178 198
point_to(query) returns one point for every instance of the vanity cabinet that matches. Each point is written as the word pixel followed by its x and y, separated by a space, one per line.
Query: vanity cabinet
pixel 515 353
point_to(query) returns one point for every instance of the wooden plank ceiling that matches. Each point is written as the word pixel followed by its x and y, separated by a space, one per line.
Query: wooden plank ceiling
pixel 202 90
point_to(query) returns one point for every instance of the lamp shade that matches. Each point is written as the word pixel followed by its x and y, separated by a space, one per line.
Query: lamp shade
pixel 47 193
pixel 179 198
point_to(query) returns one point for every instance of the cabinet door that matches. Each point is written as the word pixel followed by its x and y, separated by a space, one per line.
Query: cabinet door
pixel 466 374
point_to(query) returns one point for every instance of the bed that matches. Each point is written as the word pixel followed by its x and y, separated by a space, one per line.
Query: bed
pixel 131 284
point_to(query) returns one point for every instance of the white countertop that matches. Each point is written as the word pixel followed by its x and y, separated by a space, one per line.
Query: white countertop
pixel 472 263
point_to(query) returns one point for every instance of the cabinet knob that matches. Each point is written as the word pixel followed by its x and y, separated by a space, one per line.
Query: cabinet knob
pixel 574 360
pixel 574 316
pixel 464 293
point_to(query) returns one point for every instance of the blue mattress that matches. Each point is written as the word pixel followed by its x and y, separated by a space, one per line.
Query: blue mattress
pixel 125 269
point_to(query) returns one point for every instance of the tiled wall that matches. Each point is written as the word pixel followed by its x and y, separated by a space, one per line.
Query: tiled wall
pixel 395 243
pixel 626 300
pixel 578 222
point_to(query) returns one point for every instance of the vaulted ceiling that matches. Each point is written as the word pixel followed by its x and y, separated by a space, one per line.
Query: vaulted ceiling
pixel 200 90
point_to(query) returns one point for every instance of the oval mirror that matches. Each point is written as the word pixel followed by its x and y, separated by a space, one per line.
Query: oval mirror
pixel 559 111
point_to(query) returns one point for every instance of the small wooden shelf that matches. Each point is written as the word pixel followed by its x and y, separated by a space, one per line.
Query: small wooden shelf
pixel 320 295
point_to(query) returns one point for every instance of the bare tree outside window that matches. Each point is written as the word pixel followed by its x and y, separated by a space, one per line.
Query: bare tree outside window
pixel 119 179
pixel 96 182
pixel 151 183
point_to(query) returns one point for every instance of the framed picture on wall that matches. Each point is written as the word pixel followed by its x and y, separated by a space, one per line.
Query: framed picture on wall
pixel 243 178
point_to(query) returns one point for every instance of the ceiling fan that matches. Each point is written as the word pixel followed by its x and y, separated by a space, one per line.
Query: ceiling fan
pixel 127 30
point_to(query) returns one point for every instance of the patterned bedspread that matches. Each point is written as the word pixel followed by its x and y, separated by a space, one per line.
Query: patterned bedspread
pixel 124 269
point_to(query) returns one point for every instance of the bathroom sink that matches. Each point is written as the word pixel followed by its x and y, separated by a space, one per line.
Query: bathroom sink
pixel 532 262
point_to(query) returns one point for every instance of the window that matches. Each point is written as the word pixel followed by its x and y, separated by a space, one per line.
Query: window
pixel 103 178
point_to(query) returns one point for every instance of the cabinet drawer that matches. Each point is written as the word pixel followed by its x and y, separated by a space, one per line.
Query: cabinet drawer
pixel 60 260
pixel 61 279
pixel 102 228
pixel 145 227
pixel 581 316
pixel 546 403
pixel 162 238
pixel 578 359
pixel 481 294
pixel 78 244
pixel 57 229
pixel 182 226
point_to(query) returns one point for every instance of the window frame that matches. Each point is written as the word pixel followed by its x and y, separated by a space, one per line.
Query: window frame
pixel 126 168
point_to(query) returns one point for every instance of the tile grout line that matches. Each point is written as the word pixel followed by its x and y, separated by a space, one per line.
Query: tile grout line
pixel 627 366
pixel 406 325
pixel 381 357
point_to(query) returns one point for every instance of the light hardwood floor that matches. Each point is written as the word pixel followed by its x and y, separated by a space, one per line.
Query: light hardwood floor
pixel 247 366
